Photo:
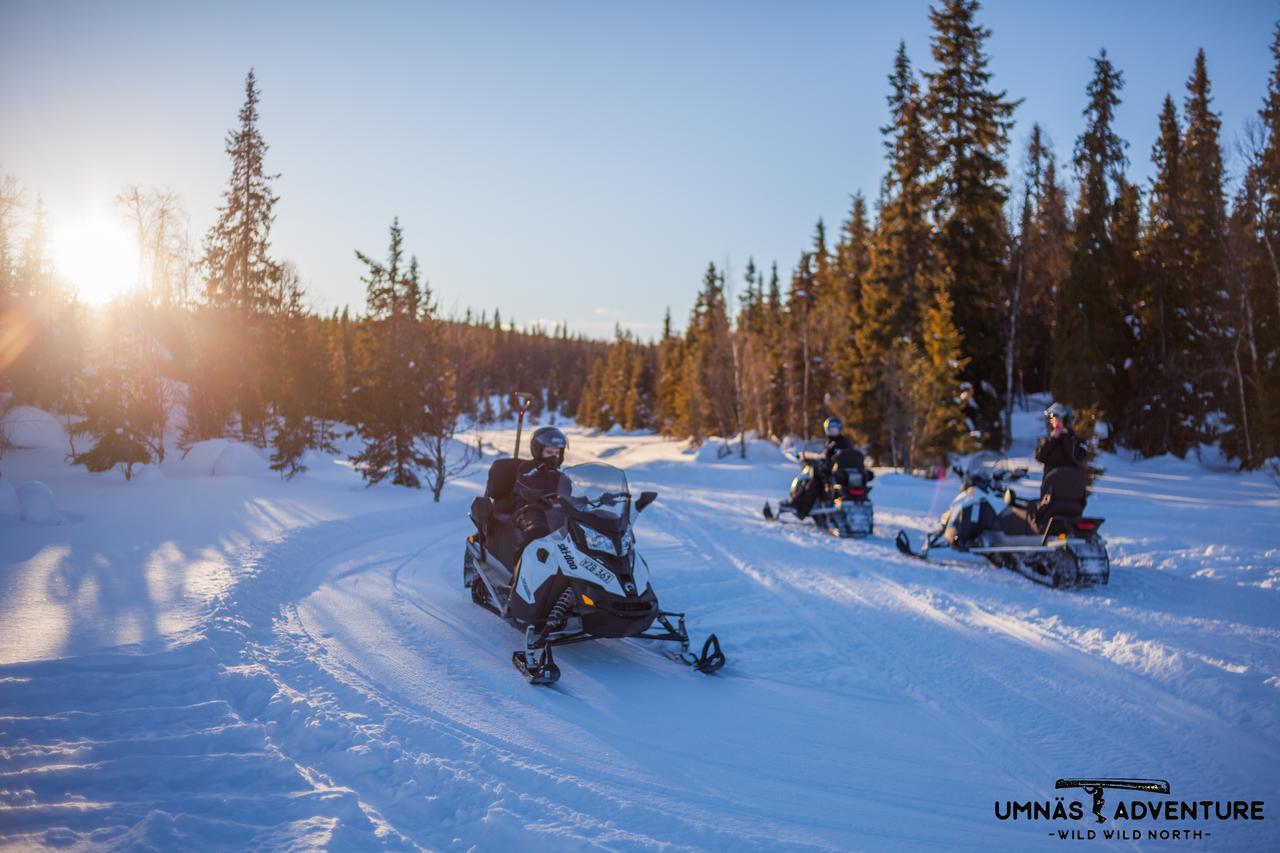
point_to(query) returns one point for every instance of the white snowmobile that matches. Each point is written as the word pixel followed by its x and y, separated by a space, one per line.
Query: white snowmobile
pixel 843 506
pixel 1050 541
pixel 582 581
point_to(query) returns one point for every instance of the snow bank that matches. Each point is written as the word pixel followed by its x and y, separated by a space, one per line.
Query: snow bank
pixel 617 430
pixel 32 428
pixel 9 506
pixel 238 460
pixel 218 457
pixel 199 458
pixel 759 451
pixel 37 504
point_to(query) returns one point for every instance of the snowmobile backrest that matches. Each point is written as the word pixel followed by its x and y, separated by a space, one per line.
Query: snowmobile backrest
pixel 849 468
pixel 502 479
pixel 1063 492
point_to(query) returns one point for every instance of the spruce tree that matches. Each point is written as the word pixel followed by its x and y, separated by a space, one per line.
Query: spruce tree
pixel 969 123
pixel 706 399
pixel 391 404
pixel 1091 331
pixel 1204 245
pixel 940 396
pixel 241 280
pixel 122 414
pixel 1157 424
pixel 304 385
pixel 1046 261
pixel 885 319
pixel 1252 413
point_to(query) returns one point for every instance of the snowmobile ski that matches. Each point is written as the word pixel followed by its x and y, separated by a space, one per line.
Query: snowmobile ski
pixel 711 658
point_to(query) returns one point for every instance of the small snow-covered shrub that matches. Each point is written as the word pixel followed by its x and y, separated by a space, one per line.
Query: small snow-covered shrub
pixel 37 504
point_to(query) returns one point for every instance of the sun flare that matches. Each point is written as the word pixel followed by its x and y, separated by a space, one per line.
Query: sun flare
pixel 98 256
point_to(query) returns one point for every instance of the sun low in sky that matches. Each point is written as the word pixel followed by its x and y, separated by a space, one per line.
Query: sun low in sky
pixel 96 254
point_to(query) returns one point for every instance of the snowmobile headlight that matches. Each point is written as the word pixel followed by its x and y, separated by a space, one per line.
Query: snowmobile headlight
pixel 596 541
pixel 628 542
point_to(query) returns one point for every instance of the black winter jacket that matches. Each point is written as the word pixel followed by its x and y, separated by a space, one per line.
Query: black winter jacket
pixel 1061 450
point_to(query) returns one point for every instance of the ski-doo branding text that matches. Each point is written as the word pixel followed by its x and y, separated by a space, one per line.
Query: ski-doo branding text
pixel 568 556
pixel 606 577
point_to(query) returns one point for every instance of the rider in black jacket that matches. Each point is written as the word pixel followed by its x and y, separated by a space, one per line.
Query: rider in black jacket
pixel 538 476
pixel 838 447
pixel 1061 448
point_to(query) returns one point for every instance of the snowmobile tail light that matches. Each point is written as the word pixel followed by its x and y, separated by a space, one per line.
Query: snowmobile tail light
pixel 587 600
pixel 1086 525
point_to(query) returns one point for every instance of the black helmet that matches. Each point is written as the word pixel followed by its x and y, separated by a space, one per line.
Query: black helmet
pixel 1062 413
pixel 548 442
pixel 832 424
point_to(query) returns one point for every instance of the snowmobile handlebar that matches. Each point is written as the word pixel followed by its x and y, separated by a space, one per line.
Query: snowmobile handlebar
pixel 991 481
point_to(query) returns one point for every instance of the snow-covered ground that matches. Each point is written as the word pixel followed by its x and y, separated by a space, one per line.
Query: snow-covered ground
pixel 195 661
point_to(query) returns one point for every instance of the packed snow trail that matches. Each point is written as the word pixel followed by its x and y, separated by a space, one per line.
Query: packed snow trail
pixel 346 692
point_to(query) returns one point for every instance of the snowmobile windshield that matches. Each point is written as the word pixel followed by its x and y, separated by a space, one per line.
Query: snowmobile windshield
pixel 988 468
pixel 599 497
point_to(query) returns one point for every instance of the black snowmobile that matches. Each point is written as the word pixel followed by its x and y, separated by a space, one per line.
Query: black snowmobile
pixel 582 581
pixel 1050 541
pixel 843 505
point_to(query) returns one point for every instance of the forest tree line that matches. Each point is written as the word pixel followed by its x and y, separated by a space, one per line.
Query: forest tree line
pixel 1153 309
pixel 922 322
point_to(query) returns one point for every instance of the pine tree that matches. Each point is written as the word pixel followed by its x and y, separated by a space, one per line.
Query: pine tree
pixel 10 204
pixel 1092 331
pixel 392 400
pixel 1252 413
pixel 900 258
pixel 852 255
pixel 241 277
pixel 706 396
pixel 939 395
pixel 969 125
pixel 1157 424
pixel 1204 244
pixel 775 333
pixel 668 390
pixel 303 385
pixel 1046 261
pixel 124 407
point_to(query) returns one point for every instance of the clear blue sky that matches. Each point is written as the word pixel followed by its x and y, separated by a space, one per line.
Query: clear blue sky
pixel 564 161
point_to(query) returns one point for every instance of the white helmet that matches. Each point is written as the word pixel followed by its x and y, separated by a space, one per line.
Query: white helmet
pixel 1062 413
